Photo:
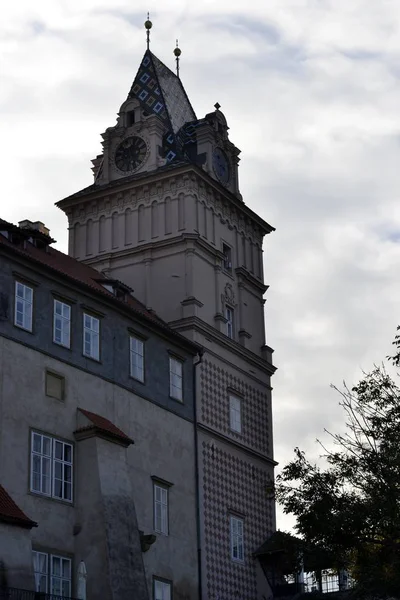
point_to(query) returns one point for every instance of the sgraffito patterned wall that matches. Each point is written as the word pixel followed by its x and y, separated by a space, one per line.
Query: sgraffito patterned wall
pixel 233 484
pixel 215 384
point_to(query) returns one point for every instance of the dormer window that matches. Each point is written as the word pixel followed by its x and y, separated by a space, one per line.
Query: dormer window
pixel 227 252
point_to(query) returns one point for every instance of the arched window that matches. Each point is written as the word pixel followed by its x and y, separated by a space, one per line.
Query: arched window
pixel 114 230
pixel 77 240
pixel 154 219
pixel 102 234
pixel 168 216
pixel 128 227
pixel 141 224
pixel 89 237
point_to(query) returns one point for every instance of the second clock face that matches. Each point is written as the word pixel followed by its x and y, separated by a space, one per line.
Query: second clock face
pixel 221 165
pixel 130 154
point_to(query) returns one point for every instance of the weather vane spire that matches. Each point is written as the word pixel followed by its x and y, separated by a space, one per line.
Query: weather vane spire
pixel 177 52
pixel 148 25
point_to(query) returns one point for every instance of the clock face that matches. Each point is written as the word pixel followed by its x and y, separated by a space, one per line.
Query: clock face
pixel 221 165
pixel 130 154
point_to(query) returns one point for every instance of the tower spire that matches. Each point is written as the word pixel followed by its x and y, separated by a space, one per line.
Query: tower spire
pixel 148 25
pixel 177 53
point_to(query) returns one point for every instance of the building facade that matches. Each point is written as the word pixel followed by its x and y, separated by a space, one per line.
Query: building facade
pixel 97 443
pixel 165 216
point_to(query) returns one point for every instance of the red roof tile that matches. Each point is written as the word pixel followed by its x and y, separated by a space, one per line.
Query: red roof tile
pixel 83 274
pixel 11 513
pixel 102 424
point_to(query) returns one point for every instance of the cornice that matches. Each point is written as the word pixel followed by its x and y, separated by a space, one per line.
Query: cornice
pixel 236 444
pixel 194 322
pixel 149 183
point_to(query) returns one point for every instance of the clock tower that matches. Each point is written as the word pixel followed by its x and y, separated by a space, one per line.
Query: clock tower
pixel 165 216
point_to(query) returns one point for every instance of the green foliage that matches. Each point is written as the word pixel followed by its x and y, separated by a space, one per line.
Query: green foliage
pixel 351 507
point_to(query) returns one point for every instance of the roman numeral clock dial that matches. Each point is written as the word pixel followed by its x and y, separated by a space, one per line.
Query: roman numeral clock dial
pixel 130 154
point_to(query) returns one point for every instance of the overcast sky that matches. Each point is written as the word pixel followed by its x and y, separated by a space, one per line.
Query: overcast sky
pixel 311 92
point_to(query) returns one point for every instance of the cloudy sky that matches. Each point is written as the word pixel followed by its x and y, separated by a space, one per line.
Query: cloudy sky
pixel 311 91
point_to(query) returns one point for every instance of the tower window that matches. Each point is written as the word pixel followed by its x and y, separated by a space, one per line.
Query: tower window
pixel 130 118
pixel 227 252
pixel 235 414
pixel 237 545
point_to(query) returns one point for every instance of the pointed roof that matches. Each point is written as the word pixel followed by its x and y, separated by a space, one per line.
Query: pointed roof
pixel 11 513
pixel 161 92
pixel 103 427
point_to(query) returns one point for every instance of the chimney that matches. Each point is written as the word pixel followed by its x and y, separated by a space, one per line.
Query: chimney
pixel 36 226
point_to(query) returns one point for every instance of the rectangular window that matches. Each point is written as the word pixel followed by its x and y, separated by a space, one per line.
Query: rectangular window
pixel 160 509
pixel 162 590
pixel 235 413
pixel 229 322
pixel 40 567
pixel 55 385
pixel 91 336
pixel 62 324
pixel 175 379
pixel 51 467
pixel 52 574
pixel 237 550
pixel 23 306
pixel 137 358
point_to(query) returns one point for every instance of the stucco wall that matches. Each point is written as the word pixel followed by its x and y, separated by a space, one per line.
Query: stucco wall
pixel 163 448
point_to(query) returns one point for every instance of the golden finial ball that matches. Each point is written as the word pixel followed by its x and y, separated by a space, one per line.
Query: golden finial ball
pixel 177 52
pixel 148 24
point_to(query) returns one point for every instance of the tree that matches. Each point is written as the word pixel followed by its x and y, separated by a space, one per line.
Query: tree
pixel 351 506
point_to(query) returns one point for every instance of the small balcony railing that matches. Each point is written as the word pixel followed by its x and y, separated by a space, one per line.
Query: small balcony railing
pixel 17 594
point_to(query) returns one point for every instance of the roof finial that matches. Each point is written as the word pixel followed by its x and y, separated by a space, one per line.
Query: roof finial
pixel 177 53
pixel 148 25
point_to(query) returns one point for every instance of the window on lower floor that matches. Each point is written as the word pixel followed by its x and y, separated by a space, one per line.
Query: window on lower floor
pixel 52 574
pixel 160 509
pixel 162 589
pixel 55 385
pixel 51 467
pixel 237 546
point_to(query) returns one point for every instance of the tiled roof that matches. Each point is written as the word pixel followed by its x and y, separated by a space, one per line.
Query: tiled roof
pixel 85 275
pixel 11 513
pixel 103 425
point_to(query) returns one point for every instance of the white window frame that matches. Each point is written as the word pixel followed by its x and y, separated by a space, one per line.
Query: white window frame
pixel 52 578
pixel 136 358
pixel 23 306
pixel 237 538
pixel 230 322
pixel 235 413
pixel 40 576
pixel 91 334
pixel 62 323
pixel 162 589
pixel 53 468
pixel 161 498
pixel 176 378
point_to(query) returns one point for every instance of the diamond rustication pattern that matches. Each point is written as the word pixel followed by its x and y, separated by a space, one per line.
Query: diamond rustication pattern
pixel 233 484
pixel 216 384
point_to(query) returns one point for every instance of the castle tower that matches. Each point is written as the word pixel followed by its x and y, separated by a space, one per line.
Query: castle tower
pixel 165 216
